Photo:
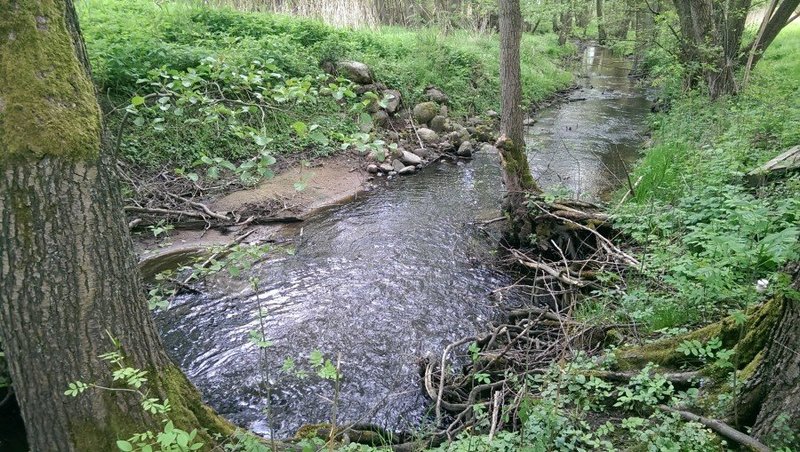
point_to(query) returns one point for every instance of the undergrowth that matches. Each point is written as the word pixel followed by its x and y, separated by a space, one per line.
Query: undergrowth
pixel 710 241
pixel 133 42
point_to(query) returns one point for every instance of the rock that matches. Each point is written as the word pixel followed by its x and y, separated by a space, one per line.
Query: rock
pixel 355 71
pixel 424 112
pixel 393 104
pixel 372 168
pixel 427 135
pixel 373 87
pixel 392 136
pixel 443 110
pixel 528 122
pixel 484 134
pixel 373 106
pixel 489 148
pixel 380 118
pixel 422 152
pixel 372 156
pixel 454 139
pixel 407 170
pixel 465 150
pixel 410 158
pixel 436 95
pixel 397 152
pixel 492 114
pixel 386 167
pixel 474 121
pixel 397 165
pixel 438 123
pixel 446 146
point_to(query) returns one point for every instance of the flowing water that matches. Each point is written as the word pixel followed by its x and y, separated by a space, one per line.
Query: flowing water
pixel 389 278
pixel 392 277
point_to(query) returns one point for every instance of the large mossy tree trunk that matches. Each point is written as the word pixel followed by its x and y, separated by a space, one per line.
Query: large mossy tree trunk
pixel 775 387
pixel 69 278
pixel 516 172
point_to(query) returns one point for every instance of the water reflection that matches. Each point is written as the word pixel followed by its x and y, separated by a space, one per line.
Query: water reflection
pixel 586 146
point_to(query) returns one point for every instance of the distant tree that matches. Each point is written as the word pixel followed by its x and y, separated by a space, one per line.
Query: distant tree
pixel 602 37
pixel 711 34
pixel 516 172
pixel 68 274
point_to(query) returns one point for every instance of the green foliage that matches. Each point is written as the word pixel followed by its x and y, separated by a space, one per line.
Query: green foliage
pixel 706 238
pixel 229 91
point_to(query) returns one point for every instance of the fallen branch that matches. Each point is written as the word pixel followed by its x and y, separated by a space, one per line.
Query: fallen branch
pixel 722 428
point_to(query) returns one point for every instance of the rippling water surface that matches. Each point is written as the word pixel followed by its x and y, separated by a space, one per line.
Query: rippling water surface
pixel 391 277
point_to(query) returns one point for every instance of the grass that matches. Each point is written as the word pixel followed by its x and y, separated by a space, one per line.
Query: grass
pixel 129 40
pixel 705 235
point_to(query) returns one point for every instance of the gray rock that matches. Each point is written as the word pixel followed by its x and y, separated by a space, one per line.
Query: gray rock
pixel 438 123
pixel 410 158
pixel 424 112
pixel 397 165
pixel 397 152
pixel 474 121
pixel 443 110
pixel 422 152
pixel 436 95
pixel 393 104
pixel 427 135
pixel 528 122
pixel 465 150
pixel 492 113
pixel 446 146
pixel 386 167
pixel 355 71
pixel 380 118
pixel 372 168
pixel 489 148
pixel 454 139
pixel 407 170
pixel 373 106
pixel 392 136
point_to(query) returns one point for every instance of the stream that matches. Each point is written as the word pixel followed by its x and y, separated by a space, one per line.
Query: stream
pixel 392 277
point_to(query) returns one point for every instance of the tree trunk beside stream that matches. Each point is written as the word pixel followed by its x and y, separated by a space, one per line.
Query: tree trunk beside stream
pixel 69 278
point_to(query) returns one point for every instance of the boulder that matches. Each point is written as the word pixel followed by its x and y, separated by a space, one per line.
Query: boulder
pixel 436 95
pixel 386 167
pixel 410 158
pixel 355 71
pixel 424 112
pixel 443 110
pixel 380 118
pixel 392 104
pixel 397 165
pixel 372 168
pixel 489 148
pixel 454 138
pixel 407 170
pixel 474 121
pixel 465 150
pixel 492 114
pixel 373 87
pixel 438 123
pixel 427 135
pixel 422 152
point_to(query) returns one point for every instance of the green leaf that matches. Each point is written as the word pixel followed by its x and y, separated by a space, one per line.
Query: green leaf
pixel 300 128
pixel 124 446
pixel 137 100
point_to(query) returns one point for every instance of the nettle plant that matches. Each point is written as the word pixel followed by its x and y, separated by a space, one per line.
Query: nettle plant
pixel 250 103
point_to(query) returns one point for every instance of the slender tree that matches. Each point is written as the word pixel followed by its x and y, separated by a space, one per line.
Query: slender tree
pixel 69 276
pixel 516 172
pixel 711 40
pixel 602 37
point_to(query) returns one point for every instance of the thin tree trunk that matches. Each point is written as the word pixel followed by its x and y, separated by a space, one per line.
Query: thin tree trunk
pixel 779 20
pixel 516 172
pixel 69 277
pixel 602 37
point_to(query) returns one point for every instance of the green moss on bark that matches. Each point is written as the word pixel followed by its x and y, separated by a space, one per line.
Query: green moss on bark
pixel 47 100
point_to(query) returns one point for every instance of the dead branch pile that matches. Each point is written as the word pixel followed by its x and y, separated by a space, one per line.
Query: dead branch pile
pixel 572 242
pixel 168 198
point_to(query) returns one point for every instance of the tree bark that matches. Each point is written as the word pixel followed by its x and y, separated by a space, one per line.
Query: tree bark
pixel 778 377
pixel 602 37
pixel 69 277
pixel 516 172
pixel 775 24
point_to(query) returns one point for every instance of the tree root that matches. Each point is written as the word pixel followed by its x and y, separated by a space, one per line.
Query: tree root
pixel 721 428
